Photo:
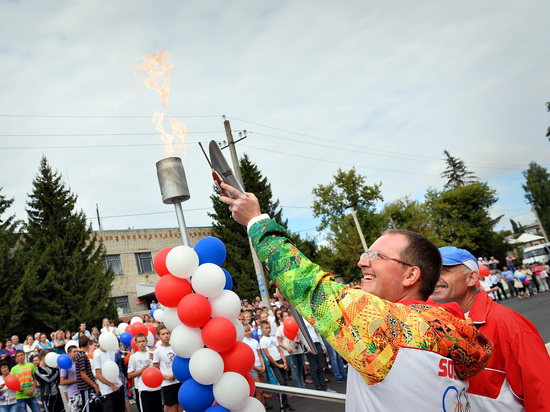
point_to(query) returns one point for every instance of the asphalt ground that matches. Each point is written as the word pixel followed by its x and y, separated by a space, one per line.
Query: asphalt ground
pixel 536 309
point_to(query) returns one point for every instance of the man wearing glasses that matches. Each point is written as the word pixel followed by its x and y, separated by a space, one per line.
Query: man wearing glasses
pixel 386 326
pixel 517 377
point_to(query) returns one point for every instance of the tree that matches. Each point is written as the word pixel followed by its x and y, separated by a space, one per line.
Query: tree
pixel 537 192
pixel 9 236
pixel 239 259
pixel 407 214
pixel 63 282
pixel 517 228
pixel 332 203
pixel 456 173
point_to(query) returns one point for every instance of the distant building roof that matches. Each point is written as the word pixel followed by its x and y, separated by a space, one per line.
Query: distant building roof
pixel 527 238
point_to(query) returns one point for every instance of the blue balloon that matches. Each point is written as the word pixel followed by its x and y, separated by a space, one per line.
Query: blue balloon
pixel 228 280
pixel 255 334
pixel 126 338
pixel 151 313
pixel 64 361
pixel 217 408
pixel 180 368
pixel 194 397
pixel 211 250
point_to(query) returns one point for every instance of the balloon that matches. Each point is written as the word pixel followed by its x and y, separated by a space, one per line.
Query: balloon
pixel 51 359
pixel 126 338
pixel 208 280
pixel 138 328
pixel 186 341
pixel 130 329
pixel 180 368
pixel 170 289
pixel 108 341
pixel 251 383
pixel 290 328
pixel 211 250
pixel 69 344
pixel 289 335
pixel 133 344
pixel 109 370
pixel 182 261
pixel 231 390
pixel 228 280
pixel 64 361
pixel 484 270
pixel 227 304
pixel 193 396
pixel 151 312
pixel 152 377
pixel 217 408
pixel 151 328
pixel 239 358
pixel 219 334
pixel 171 319
pixel 12 382
pixel 194 310
pixel 158 315
pixel 206 366
pixel 159 262
pixel 150 339
pixel 251 405
pixel 122 327
pixel 136 319
pixel 239 328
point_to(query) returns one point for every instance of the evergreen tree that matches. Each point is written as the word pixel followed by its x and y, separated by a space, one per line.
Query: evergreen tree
pixel 239 259
pixel 63 282
pixel 537 192
pixel 517 228
pixel 9 236
pixel 456 173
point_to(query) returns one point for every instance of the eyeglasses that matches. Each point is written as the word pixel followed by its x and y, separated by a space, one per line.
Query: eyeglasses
pixel 375 254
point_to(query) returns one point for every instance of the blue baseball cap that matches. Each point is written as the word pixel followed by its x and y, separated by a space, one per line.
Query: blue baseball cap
pixel 454 256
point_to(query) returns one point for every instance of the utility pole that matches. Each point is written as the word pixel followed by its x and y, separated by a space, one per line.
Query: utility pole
pixel 260 276
pixel 359 230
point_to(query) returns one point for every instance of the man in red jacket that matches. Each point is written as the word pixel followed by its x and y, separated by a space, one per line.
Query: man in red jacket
pixel 517 377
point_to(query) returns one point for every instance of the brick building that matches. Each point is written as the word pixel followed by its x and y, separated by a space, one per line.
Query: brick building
pixel 130 254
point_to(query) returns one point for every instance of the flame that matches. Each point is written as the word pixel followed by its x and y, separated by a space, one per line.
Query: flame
pixel 174 141
pixel 157 67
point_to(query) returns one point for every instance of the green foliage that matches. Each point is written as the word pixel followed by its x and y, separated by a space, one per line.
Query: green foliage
pixel 537 192
pixel 63 281
pixel 517 228
pixel 456 173
pixel 239 259
pixel 407 214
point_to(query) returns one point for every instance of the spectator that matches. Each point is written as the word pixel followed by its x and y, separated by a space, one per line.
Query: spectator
pixel 8 403
pixel 493 263
pixel 16 344
pixel 44 344
pixel 508 276
pixel 59 343
pixel 147 399
pixel 511 262
pixel 292 351
pixel 544 275
pixel 85 379
pixel 111 392
pixel 83 329
pixel 316 361
pixel 95 334
pixel 25 373
pixel 539 282
pixel 30 347
pixel 68 335
pixel 163 356
pixel 48 379
pixel 259 365
pixel 9 353
pixel 68 378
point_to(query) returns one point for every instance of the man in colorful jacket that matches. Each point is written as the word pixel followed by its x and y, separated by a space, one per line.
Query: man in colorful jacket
pixel 517 377
pixel 385 327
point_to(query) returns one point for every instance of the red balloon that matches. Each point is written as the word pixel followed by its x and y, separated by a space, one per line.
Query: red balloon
pixel 133 344
pixel 194 310
pixel 151 328
pixel 219 334
pixel 130 330
pixel 139 327
pixel 239 358
pixel 160 261
pixel 483 270
pixel 290 328
pixel 289 335
pixel 171 289
pixel 152 377
pixel 251 383
pixel 12 382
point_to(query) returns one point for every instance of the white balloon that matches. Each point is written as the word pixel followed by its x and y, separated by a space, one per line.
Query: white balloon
pixel 136 319
pixel 158 314
pixel 231 390
pixel 240 329
pixel 227 304
pixel 182 261
pixel 208 280
pixel 186 341
pixel 108 341
pixel 206 366
pixel 150 338
pixel 110 370
pixel 122 327
pixel 171 318
pixel 251 405
pixel 70 343
pixel 51 359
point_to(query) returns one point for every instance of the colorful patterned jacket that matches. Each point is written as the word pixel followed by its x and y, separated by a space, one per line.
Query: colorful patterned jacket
pixel 366 330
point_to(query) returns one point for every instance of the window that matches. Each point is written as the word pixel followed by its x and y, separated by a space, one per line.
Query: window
pixel 122 303
pixel 113 262
pixel 144 262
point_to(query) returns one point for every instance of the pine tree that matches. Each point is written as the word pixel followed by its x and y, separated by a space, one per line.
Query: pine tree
pixel 537 192
pixel 9 236
pixel 456 173
pixel 63 282
pixel 239 259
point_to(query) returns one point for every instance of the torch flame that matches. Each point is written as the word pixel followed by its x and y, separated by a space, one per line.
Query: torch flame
pixel 157 67
pixel 174 141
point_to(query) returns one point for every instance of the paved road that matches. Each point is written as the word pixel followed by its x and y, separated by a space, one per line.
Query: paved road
pixel 535 309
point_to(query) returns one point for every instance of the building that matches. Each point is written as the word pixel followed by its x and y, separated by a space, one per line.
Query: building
pixel 130 253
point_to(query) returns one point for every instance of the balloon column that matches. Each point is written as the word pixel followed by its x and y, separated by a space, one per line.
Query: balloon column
pixel 201 311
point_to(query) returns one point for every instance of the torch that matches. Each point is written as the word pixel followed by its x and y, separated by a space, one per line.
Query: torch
pixel 174 189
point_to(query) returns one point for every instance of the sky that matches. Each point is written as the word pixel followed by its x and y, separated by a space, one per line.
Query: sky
pixel 384 87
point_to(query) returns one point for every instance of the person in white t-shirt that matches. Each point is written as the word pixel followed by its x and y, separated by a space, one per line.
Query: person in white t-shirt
pixel 148 399
pixel 293 352
pixel 259 366
pixel 163 356
pixel 112 392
